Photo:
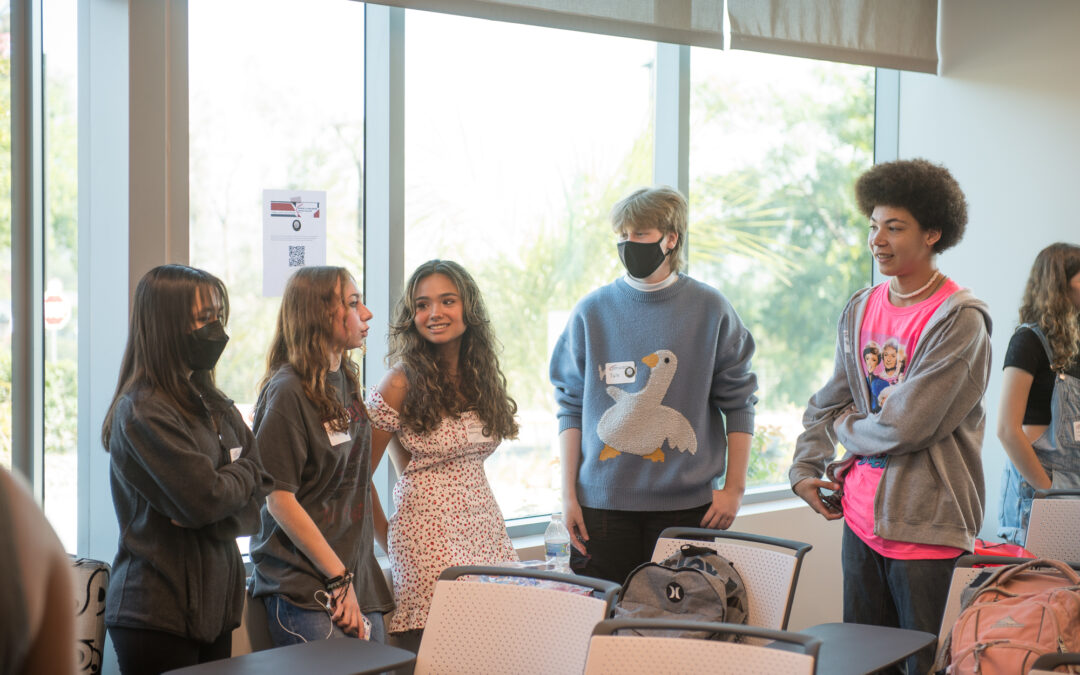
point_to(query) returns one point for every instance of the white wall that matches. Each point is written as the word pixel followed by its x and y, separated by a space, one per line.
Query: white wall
pixel 1004 117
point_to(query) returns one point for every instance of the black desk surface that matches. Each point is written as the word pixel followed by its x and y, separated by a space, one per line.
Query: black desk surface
pixel 325 657
pixel 855 648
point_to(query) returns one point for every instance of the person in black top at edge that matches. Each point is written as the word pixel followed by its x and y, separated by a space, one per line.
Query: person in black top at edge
pixel 186 480
pixel 1038 418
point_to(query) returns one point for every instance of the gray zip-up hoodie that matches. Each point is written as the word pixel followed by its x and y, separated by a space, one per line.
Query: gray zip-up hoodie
pixel 930 428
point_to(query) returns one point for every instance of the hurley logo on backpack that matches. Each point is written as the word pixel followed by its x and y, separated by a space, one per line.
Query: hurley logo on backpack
pixel 1011 618
pixel 697 583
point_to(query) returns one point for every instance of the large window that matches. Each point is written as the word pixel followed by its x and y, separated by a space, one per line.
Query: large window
pixel 60 70
pixel 276 102
pixel 517 141
pixel 776 144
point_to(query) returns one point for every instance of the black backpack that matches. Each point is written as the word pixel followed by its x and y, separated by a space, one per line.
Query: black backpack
pixel 697 583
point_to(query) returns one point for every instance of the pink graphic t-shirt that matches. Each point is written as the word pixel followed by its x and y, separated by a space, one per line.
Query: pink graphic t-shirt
pixel 887 338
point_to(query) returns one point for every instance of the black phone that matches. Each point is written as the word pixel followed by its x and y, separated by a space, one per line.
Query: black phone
pixel 831 499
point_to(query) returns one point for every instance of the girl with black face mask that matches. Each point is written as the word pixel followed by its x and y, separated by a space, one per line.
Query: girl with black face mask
pixel 186 480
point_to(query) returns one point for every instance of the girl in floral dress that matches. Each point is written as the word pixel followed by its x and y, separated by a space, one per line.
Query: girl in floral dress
pixel 442 409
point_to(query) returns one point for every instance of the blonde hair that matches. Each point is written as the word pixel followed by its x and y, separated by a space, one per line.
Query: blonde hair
pixel 303 339
pixel 659 207
pixel 1047 304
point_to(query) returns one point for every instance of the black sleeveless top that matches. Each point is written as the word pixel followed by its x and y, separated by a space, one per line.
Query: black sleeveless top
pixel 1026 353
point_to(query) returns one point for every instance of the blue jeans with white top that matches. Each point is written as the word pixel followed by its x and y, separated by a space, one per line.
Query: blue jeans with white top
pixel 290 625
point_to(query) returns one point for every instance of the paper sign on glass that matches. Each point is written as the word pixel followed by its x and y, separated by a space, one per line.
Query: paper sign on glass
pixel 294 235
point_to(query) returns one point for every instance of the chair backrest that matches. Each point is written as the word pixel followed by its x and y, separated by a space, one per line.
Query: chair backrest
pixel 479 627
pixel 91 581
pixel 770 575
pixel 1054 528
pixel 643 655
pixel 1047 664
pixel 963 574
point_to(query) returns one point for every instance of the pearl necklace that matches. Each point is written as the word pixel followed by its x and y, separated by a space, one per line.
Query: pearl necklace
pixel 905 296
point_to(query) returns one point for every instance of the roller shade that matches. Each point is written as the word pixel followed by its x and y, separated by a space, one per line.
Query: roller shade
pixel 688 22
pixel 900 34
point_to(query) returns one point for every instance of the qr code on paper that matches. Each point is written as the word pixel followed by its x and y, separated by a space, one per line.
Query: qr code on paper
pixel 296 256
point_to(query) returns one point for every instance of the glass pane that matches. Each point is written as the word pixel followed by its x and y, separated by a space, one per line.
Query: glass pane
pixel 517 142
pixel 60 66
pixel 776 146
pixel 5 233
pixel 276 105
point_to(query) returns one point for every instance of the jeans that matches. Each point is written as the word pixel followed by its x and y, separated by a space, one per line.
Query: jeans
pixel 149 652
pixel 619 541
pixel 899 593
pixel 291 625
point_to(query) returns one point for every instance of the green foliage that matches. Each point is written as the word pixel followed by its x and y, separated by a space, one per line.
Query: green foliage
pixel 768 460
pixel 61 406
pixel 783 238
pixel 550 273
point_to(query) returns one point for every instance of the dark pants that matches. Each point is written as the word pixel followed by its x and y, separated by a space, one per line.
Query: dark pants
pixel 150 652
pixel 900 593
pixel 619 541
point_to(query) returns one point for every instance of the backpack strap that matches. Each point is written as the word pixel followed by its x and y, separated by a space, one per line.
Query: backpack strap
pixel 1007 573
pixel 1034 328
pixel 1012 570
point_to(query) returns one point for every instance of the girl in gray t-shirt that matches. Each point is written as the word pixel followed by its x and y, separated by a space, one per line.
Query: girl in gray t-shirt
pixel 314 565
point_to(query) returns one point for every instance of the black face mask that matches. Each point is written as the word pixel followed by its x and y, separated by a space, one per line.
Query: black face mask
pixel 641 260
pixel 203 347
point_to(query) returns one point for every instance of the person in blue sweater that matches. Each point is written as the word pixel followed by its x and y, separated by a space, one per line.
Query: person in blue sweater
pixel 655 398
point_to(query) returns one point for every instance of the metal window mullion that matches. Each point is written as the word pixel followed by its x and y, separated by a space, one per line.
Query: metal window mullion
pixel 886 125
pixel 671 130
pixel 384 191
pixel 671 145
pixel 27 245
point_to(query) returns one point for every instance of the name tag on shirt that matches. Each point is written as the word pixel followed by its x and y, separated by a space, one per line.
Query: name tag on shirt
pixel 619 372
pixel 234 454
pixel 337 437
pixel 474 429
pixel 1076 431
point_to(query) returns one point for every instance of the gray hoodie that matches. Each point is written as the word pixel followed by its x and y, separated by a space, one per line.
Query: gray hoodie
pixel 931 428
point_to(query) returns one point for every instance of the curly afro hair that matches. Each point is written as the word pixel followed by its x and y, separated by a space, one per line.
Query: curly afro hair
pixel 925 189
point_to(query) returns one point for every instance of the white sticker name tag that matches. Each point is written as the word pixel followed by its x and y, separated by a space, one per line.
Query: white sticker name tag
pixel 1076 431
pixel 474 430
pixel 619 372
pixel 234 454
pixel 337 437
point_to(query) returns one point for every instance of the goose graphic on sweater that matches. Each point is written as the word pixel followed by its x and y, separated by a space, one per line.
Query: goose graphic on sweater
pixel 638 423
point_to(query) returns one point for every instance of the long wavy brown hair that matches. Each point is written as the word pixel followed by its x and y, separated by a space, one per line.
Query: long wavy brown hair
pixel 1047 303
pixel 162 314
pixel 304 337
pixel 432 393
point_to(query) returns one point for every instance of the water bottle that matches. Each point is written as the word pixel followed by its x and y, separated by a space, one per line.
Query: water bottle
pixel 557 544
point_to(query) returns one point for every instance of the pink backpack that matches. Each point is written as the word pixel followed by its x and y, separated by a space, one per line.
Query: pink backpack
pixel 1014 617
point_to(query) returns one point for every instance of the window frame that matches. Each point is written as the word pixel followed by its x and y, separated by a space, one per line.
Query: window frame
pixel 146 79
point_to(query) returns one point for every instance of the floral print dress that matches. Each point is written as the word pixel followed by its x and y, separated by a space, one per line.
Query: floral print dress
pixel 445 514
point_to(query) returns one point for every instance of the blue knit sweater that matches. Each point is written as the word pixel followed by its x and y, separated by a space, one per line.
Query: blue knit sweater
pixel 649 378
